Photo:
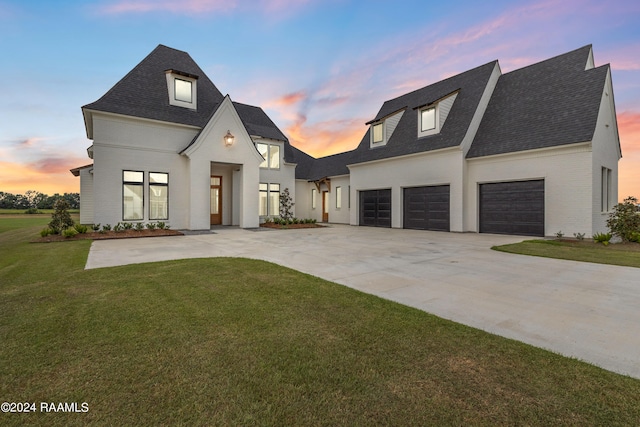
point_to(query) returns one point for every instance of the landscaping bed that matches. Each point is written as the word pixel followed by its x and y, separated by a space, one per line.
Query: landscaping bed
pixel 96 235
pixel 290 226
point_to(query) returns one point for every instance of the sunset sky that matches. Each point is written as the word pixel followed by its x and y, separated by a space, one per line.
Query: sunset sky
pixel 319 68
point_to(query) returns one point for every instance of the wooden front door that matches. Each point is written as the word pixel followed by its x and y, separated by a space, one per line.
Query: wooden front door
pixel 325 206
pixel 216 200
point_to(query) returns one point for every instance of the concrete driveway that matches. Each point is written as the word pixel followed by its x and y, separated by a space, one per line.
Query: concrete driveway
pixel 587 311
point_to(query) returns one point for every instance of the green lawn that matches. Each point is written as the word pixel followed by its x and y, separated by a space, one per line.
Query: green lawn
pixel 241 342
pixel 45 212
pixel 627 254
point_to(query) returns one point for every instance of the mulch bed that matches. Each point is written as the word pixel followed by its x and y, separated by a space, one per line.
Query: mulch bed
pixel 125 234
pixel 290 226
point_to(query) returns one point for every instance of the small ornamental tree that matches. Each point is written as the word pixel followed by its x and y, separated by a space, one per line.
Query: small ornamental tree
pixel 624 220
pixel 60 219
pixel 286 205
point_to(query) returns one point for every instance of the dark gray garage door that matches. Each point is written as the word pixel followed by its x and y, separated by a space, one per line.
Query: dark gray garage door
pixel 427 208
pixel 512 208
pixel 375 208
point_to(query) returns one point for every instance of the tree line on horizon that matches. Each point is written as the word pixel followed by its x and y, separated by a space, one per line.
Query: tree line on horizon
pixel 36 200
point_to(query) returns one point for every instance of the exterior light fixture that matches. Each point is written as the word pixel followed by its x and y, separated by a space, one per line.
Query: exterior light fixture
pixel 228 139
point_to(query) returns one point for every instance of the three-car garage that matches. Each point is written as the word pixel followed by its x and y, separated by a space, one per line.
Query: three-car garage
pixel 513 207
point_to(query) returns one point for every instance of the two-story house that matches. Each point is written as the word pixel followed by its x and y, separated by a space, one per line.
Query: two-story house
pixel 533 151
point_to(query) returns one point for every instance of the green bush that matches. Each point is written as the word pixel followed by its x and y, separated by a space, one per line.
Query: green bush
pixel 579 236
pixel 118 228
pixel 45 232
pixel 127 225
pixel 602 238
pixel 151 226
pixel 635 237
pixel 96 227
pixel 139 226
pixel 60 219
pixel 81 228
pixel 624 220
pixel 69 232
pixel 161 225
pixel 31 211
pixel 105 228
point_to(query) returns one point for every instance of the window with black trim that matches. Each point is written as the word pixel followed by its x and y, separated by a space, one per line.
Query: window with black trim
pixel 427 119
pixel 338 197
pixel 605 191
pixel 158 195
pixel 314 193
pixel 269 202
pixel 132 195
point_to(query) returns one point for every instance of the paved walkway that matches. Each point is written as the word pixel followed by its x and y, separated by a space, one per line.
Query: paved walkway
pixel 587 311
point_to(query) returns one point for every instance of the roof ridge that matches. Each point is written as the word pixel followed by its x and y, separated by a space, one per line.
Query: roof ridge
pixel 556 57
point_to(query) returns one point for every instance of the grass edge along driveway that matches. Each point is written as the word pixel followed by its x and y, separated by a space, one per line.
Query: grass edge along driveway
pixel 230 341
pixel 623 254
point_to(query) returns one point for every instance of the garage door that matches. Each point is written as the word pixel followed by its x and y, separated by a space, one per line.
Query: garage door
pixel 512 208
pixel 426 208
pixel 375 208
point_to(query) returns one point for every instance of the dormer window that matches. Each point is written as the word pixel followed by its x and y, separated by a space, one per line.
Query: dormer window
pixel 182 89
pixel 378 133
pixel 432 116
pixel 428 121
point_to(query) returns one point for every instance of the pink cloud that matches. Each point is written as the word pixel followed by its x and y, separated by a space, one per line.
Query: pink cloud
pixel 629 128
pixel 17 178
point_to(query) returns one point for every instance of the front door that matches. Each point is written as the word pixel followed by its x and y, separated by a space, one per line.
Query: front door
pixel 216 200
pixel 325 206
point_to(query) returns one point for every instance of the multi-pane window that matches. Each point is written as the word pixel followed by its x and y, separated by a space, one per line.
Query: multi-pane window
pixel 378 133
pixel 269 202
pixel 427 119
pixel 605 192
pixel 183 90
pixel 132 195
pixel 338 197
pixel 313 198
pixel 158 195
pixel 271 155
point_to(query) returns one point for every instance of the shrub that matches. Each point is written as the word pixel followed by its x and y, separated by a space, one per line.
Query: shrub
pixel 127 225
pixel 31 211
pixel 579 236
pixel 635 237
pixel 151 226
pixel 139 226
pixel 69 232
pixel 286 205
pixel 624 220
pixel 60 219
pixel 106 227
pixel 81 228
pixel 161 225
pixel 45 232
pixel 559 234
pixel 95 227
pixel 602 238
pixel 118 228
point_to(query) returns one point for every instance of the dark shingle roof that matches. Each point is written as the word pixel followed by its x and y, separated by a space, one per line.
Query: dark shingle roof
pixel 470 86
pixel 554 102
pixel 143 91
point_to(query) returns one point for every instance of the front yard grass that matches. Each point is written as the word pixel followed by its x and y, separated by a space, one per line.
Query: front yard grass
pixel 228 341
pixel 624 254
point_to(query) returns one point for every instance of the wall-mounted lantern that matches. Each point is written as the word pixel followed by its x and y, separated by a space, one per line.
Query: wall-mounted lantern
pixel 228 139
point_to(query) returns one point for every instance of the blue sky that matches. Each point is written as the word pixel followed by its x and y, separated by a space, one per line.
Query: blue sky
pixel 320 69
